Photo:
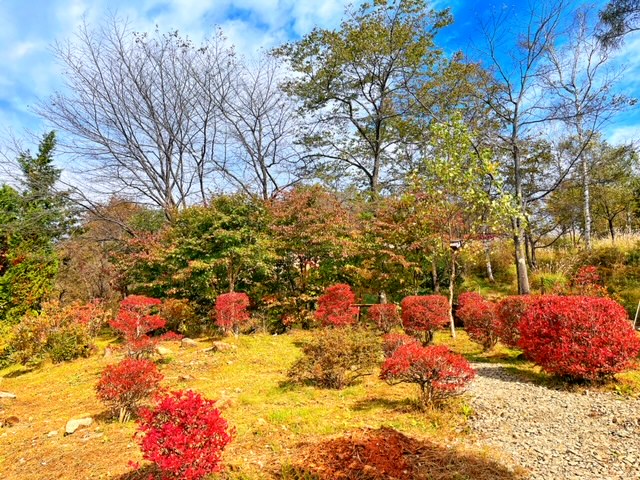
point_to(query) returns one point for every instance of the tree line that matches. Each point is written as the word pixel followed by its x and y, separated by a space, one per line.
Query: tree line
pixel 370 145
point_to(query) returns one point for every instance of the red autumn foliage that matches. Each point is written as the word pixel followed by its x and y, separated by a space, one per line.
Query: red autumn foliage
pixel 135 321
pixel 385 316
pixel 124 385
pixel 392 341
pixel 480 319
pixel 438 371
pixel 335 307
pixel 587 282
pixel 509 311
pixel 581 338
pixel 184 435
pixel 424 314
pixel 231 311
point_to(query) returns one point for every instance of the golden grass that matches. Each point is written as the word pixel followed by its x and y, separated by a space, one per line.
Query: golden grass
pixel 271 416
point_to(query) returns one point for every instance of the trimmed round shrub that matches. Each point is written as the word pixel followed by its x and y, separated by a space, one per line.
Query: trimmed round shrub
pixel 231 311
pixel 509 312
pixel 438 371
pixel 385 316
pixel 336 358
pixel 184 435
pixel 123 386
pixel 421 315
pixel 580 338
pixel 480 319
pixel 335 306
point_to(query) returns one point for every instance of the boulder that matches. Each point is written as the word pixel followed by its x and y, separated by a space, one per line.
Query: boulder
pixel 223 347
pixel 7 395
pixel 188 343
pixel 160 350
pixel 10 421
pixel 75 423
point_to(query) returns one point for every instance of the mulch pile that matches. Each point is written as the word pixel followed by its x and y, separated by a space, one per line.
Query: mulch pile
pixel 385 454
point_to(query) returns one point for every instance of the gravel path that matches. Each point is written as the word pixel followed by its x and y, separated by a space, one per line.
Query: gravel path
pixel 556 435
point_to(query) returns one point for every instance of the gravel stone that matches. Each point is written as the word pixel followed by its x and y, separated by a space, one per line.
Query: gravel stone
pixel 556 434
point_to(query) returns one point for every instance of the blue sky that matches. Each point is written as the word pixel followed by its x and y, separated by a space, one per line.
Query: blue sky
pixel 29 27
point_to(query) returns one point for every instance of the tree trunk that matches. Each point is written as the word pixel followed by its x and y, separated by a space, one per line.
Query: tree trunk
pixel 521 259
pixel 434 275
pixel 487 257
pixel 518 229
pixel 612 230
pixel 452 283
pixel 586 198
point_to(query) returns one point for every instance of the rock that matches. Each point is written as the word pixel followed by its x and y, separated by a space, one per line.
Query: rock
pixel 7 395
pixel 108 352
pixel 223 347
pixel 74 424
pixel 160 350
pixel 91 436
pixel 10 421
pixel 52 433
pixel 185 378
pixel 188 343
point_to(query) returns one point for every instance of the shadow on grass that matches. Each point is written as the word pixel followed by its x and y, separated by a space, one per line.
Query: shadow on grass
pixel 386 453
pixel 142 473
pixel 404 405
pixel 519 373
pixel 18 373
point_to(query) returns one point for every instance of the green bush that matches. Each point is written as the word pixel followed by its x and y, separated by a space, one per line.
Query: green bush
pixel 181 317
pixel 57 332
pixel 69 343
pixel 337 357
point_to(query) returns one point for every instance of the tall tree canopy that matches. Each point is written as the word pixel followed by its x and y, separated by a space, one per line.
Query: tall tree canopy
pixel 354 84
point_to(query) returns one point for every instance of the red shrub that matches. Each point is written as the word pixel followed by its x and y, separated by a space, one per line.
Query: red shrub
pixel 384 315
pixel 480 319
pixel 392 341
pixel 184 435
pixel 135 321
pixel 438 371
pixel 424 314
pixel 231 311
pixel 578 337
pixel 90 314
pixel 124 385
pixel 587 282
pixel 509 311
pixel 335 307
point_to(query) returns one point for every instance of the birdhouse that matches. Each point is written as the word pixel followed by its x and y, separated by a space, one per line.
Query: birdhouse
pixel 455 245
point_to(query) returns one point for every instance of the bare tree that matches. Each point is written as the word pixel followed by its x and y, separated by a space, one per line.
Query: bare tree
pixel 142 111
pixel 582 82
pixel 516 99
pixel 262 126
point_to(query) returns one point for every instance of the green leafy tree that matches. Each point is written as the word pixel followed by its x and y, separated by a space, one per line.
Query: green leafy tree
pixel 619 18
pixel 32 221
pixel 206 251
pixel 464 192
pixel 354 84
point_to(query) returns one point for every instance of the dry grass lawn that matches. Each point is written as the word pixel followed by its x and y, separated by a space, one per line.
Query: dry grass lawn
pixel 272 417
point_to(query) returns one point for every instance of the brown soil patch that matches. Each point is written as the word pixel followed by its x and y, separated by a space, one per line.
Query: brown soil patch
pixel 385 454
